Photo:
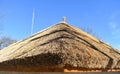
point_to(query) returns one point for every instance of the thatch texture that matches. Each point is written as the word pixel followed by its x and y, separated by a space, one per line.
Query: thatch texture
pixel 59 47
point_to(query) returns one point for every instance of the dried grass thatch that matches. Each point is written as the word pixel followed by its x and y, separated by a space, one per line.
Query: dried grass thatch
pixel 57 48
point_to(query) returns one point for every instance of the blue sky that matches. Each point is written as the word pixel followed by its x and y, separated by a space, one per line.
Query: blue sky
pixel 102 16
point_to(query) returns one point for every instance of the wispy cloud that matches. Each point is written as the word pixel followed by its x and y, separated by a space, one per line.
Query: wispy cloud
pixel 115 31
pixel 113 25
pixel 118 47
pixel 115 15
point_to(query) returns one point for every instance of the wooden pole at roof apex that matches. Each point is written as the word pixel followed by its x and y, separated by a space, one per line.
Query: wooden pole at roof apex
pixel 64 19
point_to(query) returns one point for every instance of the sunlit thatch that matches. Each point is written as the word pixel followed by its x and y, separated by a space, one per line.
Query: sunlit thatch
pixel 59 47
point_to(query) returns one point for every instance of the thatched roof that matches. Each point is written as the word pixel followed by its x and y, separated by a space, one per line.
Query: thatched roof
pixel 60 46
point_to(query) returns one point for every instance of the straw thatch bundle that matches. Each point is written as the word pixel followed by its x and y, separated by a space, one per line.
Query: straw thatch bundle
pixel 57 48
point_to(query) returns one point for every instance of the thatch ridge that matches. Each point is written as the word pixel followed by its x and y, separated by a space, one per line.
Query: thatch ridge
pixel 61 45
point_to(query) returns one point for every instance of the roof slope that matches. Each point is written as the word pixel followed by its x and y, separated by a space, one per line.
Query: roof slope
pixel 61 46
